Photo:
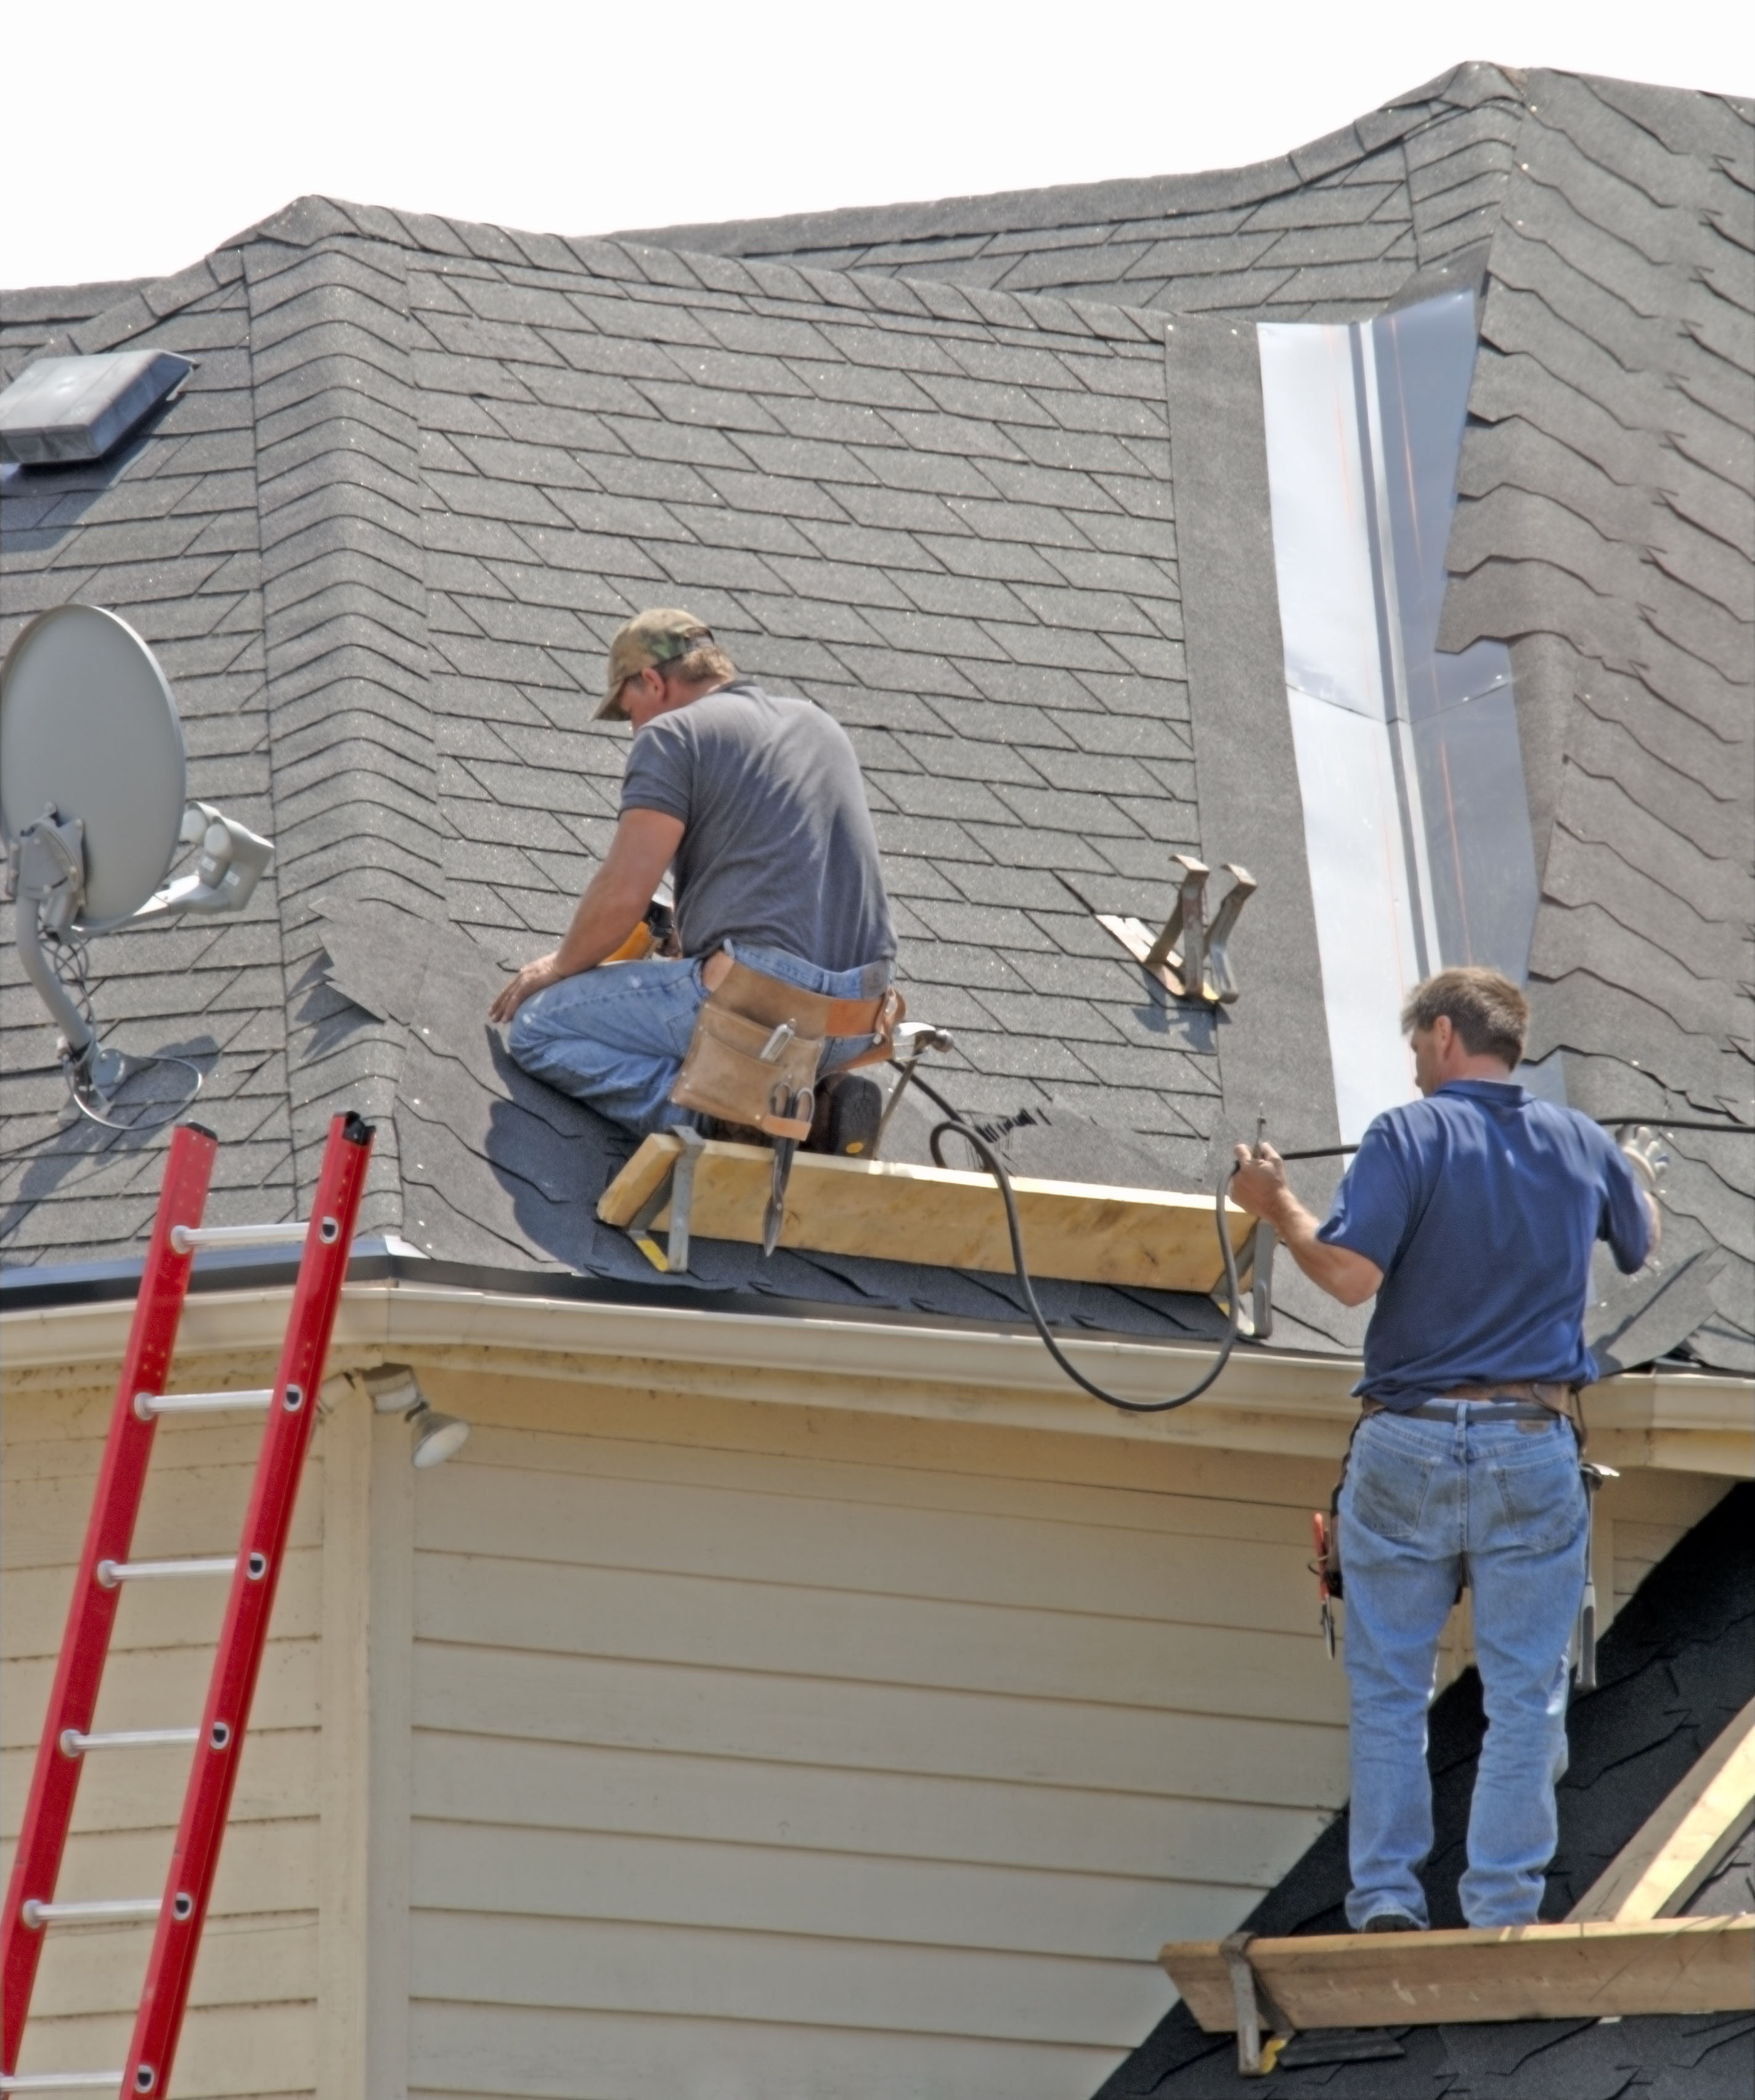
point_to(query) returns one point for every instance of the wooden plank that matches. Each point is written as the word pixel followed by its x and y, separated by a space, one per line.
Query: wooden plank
pixel 1531 1972
pixel 1684 1840
pixel 1150 1238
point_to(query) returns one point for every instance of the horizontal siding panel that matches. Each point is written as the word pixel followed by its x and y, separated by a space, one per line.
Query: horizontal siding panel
pixel 744 1714
pixel 672 1972
pixel 250 2052
pixel 184 1511
pixel 496 1510
pixel 179 1443
pixel 154 1615
pixel 477 2051
pixel 631 1409
pixel 611 1612
pixel 258 1961
pixel 984 1821
pixel 163 1689
pixel 142 1789
pixel 1220 1498
pixel 531 1874
pixel 263 1867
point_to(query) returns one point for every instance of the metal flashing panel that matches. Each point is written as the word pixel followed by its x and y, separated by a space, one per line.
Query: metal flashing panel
pixel 62 409
pixel 1417 821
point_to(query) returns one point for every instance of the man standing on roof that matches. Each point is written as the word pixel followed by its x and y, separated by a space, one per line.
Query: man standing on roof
pixel 1471 1215
pixel 755 803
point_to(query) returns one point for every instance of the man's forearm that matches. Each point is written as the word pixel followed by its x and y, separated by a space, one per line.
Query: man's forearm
pixel 602 919
pixel 1338 1270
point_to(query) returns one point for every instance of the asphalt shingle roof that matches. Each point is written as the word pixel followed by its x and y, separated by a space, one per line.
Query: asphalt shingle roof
pixel 424 470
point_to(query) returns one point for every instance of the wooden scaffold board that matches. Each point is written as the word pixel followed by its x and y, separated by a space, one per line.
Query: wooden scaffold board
pixel 1149 1238
pixel 1528 1972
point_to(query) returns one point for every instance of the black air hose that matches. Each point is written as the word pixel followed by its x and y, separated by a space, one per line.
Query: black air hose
pixel 955 1126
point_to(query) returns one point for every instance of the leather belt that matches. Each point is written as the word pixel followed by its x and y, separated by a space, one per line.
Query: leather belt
pixel 1546 1392
pixel 1452 1409
pixel 864 1016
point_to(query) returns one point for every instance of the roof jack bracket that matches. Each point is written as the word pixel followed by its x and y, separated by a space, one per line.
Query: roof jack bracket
pixel 1584 1633
pixel 1199 969
pixel 1257 1267
pixel 1256 2053
pixel 678 1189
pixel 1254 1260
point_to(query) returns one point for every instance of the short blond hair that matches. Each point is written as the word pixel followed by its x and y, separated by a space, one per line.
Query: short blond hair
pixel 705 661
pixel 1487 1010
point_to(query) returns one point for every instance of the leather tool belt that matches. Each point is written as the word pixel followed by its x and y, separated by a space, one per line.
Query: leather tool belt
pixel 1549 1393
pixel 758 1042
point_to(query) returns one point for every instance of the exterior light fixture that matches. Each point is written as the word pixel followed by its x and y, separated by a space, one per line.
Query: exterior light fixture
pixel 394 1390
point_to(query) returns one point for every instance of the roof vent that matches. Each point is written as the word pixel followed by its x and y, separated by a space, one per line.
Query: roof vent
pixel 66 408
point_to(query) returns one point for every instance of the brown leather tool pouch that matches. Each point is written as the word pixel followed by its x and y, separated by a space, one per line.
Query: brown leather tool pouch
pixel 757 1046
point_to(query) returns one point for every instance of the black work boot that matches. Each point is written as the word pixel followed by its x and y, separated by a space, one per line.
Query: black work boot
pixel 850 1107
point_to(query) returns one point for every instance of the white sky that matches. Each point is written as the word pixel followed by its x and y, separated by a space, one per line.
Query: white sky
pixel 135 139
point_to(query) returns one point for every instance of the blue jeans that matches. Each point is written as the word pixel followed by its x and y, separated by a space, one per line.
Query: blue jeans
pixel 1423 1499
pixel 615 1036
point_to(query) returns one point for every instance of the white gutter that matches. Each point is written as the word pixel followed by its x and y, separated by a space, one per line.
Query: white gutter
pixel 1266 1399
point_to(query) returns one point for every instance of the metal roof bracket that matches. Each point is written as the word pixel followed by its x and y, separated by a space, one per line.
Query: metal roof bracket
pixel 1189 957
pixel 678 1189
pixel 1257 2052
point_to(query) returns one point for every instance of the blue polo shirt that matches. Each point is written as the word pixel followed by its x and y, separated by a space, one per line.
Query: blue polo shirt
pixel 1481 1204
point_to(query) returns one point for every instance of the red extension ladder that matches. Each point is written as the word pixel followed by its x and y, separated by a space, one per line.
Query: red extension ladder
pixel 290 1405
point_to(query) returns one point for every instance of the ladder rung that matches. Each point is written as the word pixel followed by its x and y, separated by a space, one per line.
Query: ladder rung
pixel 62 2081
pixel 109 1911
pixel 146 1405
pixel 191 1239
pixel 73 1744
pixel 110 1573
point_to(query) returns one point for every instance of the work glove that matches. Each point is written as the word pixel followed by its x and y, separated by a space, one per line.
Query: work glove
pixel 1644 1153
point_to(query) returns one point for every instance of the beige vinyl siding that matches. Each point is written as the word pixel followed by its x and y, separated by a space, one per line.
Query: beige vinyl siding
pixel 1640 1517
pixel 251 2029
pixel 678 1741
pixel 760 1750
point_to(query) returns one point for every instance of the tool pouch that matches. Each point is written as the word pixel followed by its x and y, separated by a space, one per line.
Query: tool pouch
pixel 756 1045
pixel 1326 1567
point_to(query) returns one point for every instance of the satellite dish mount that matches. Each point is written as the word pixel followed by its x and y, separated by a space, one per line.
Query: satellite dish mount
pixel 93 813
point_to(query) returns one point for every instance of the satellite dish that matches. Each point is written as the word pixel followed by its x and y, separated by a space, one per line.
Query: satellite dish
pixel 88 728
pixel 92 810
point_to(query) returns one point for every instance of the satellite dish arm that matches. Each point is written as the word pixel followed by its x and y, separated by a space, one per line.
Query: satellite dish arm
pixel 47 868
pixel 234 859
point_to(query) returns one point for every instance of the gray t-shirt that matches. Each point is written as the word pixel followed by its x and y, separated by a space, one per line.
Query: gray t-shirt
pixel 778 848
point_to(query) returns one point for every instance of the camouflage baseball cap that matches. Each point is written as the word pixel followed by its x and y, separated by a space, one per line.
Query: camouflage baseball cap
pixel 656 638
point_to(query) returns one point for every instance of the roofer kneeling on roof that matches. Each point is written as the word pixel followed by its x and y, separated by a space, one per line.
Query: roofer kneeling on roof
pixel 757 804
pixel 1471 1215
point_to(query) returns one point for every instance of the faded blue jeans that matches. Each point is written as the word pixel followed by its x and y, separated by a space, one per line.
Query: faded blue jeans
pixel 615 1036
pixel 1422 1497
